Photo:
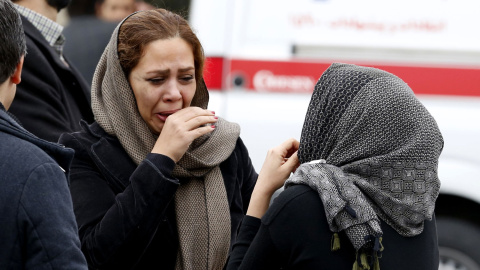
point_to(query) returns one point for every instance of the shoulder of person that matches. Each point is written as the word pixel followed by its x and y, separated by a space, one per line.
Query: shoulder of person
pixel 240 147
pixel 21 157
pixel 95 146
pixel 290 200
pixel 239 158
pixel 90 134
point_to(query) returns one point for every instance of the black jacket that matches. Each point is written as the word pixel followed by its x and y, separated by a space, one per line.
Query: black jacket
pixel 37 225
pixel 125 213
pixel 294 234
pixel 52 98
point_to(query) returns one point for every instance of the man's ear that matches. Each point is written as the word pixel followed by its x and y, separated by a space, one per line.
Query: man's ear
pixel 98 10
pixel 16 77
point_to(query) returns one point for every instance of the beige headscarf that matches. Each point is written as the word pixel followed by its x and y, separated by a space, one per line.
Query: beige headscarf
pixel 201 205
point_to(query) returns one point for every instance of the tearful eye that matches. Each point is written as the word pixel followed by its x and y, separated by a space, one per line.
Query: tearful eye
pixel 156 80
pixel 187 78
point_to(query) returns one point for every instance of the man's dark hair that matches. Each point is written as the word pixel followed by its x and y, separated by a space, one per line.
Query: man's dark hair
pixel 81 8
pixel 12 40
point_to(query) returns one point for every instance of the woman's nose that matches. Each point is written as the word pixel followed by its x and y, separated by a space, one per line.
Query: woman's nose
pixel 172 92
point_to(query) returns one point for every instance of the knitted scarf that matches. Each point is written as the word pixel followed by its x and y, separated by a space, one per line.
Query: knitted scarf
pixel 371 150
pixel 201 205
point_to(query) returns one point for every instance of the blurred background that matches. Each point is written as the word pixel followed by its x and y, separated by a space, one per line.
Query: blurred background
pixel 265 56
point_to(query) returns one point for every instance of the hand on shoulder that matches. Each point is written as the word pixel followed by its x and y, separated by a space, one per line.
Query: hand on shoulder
pixel 280 162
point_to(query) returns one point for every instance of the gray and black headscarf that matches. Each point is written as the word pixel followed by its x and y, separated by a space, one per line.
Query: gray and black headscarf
pixel 370 149
pixel 201 204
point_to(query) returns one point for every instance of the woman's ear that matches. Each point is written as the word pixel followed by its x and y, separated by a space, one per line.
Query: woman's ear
pixel 16 77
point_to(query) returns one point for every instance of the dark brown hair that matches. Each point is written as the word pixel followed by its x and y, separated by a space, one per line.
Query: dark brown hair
pixel 146 26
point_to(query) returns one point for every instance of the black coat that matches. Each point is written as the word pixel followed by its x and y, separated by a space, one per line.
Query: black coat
pixel 294 234
pixel 125 212
pixel 37 225
pixel 51 98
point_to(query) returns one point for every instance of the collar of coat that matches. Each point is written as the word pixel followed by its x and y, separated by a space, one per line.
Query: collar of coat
pixel 62 155
pixel 101 147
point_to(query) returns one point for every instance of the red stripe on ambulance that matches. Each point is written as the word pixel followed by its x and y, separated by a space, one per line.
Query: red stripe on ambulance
pixel 300 77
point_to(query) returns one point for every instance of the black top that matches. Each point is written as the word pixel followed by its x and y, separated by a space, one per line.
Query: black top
pixel 125 213
pixel 294 234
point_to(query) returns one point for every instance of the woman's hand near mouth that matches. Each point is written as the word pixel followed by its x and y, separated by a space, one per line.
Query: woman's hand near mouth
pixel 181 129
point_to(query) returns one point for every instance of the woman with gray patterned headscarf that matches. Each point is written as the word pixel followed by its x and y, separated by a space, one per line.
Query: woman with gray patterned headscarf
pixel 364 194
pixel 158 181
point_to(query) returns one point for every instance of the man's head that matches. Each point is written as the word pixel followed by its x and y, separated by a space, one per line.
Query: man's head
pixel 78 8
pixel 39 5
pixel 114 10
pixel 58 4
pixel 12 49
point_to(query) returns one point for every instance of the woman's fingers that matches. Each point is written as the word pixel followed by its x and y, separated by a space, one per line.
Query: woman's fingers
pixel 189 113
pixel 198 132
pixel 279 163
pixel 181 129
pixel 200 121
pixel 290 146
pixel 292 163
pixel 192 117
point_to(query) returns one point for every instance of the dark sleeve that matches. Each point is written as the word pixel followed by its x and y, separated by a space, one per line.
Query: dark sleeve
pixel 46 214
pixel 116 229
pixel 249 175
pixel 254 248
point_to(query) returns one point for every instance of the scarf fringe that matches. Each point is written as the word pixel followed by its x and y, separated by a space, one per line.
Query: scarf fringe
pixel 362 260
pixel 335 243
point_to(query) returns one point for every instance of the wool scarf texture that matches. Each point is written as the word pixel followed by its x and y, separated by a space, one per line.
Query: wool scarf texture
pixel 201 204
pixel 370 149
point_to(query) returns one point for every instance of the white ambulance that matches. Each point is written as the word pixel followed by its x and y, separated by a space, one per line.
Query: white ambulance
pixel 265 56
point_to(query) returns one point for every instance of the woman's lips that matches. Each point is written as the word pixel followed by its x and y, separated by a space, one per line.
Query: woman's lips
pixel 164 115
